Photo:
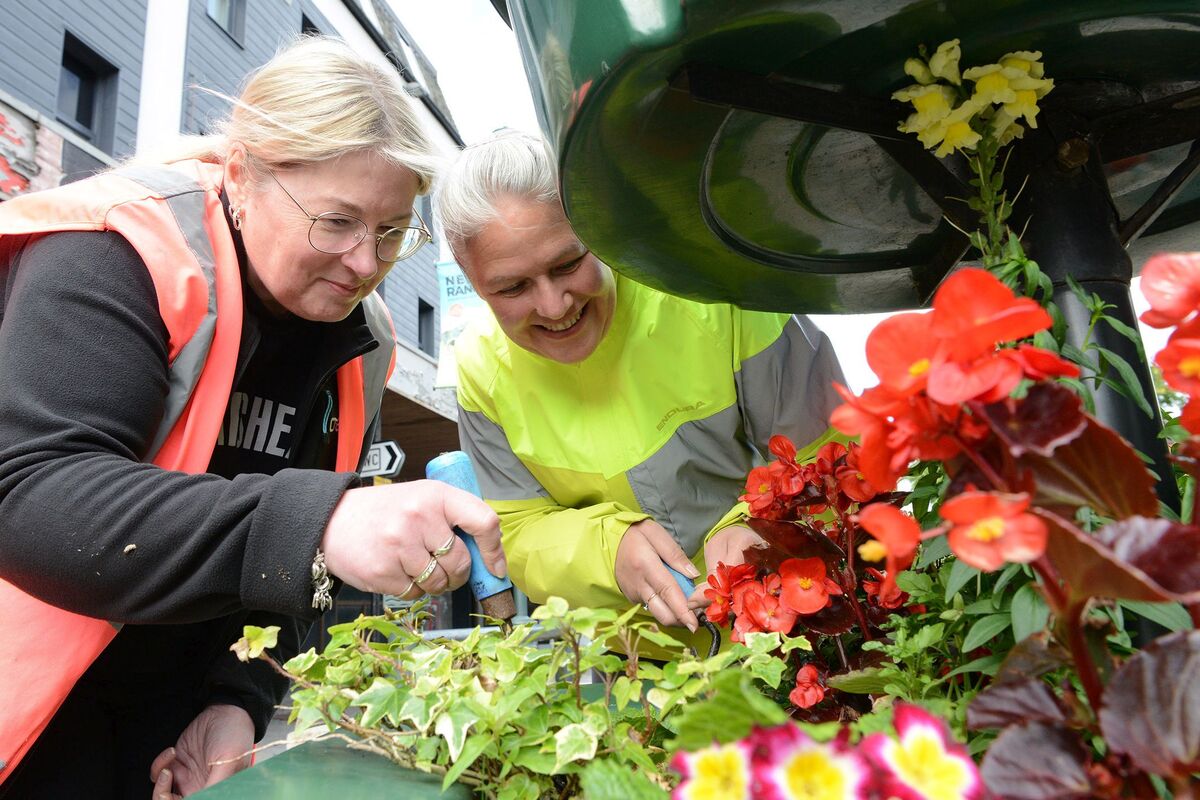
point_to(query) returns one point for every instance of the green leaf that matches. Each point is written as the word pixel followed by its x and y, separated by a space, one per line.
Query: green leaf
pixel 960 574
pixel 553 608
pixel 1006 575
pixel 607 779
pixel 987 665
pixel 653 634
pixel 1133 386
pixel 795 643
pixel 928 636
pixel 1029 612
pixel 917 584
pixel 254 641
pixel 932 550
pixel 734 707
pixel 859 681
pixel 301 664
pixel 573 743
pixel 983 631
pixel 382 698
pixel 474 747
pixel 452 725
pixel 1171 616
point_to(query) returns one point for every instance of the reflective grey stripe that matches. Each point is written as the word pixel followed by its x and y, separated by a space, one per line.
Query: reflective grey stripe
pixel 696 477
pixel 501 474
pixel 160 180
pixel 186 200
pixel 375 368
pixel 788 387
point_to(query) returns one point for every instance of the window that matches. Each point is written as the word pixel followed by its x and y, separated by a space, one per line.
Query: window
pixel 87 93
pixel 425 333
pixel 230 15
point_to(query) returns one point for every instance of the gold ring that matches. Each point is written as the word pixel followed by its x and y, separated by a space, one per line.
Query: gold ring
pixel 446 548
pixel 425 573
pixel 646 602
pixel 408 588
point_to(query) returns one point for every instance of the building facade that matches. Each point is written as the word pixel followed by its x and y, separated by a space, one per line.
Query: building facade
pixel 86 83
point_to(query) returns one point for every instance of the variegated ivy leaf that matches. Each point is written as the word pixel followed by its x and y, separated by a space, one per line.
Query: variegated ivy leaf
pixel 254 641
pixel 573 743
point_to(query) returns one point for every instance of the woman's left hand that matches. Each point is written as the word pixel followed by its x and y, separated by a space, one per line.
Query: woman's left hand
pixel 214 746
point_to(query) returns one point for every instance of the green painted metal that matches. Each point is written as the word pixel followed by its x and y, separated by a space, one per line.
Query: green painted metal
pixel 773 213
pixel 326 769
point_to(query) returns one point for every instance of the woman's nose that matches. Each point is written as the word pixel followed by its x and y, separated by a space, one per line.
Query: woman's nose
pixel 361 259
pixel 554 300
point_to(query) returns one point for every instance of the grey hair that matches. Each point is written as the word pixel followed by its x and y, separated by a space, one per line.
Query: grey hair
pixel 315 100
pixel 509 164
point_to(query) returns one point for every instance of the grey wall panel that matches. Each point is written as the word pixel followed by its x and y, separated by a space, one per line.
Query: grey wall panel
pixel 31 42
pixel 215 60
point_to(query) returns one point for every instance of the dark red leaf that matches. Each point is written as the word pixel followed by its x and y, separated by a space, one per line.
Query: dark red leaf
pixel 1166 551
pixel 791 540
pixel 1049 416
pixel 1032 657
pixel 1036 761
pixel 1004 704
pixel 1089 569
pixel 1151 707
pixel 837 617
pixel 1098 469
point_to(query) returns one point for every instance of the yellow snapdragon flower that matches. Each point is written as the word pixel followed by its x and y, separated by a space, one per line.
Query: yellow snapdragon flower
pixel 952 132
pixel 931 103
pixel 944 63
pixel 1004 127
pixel 919 71
pixel 1028 61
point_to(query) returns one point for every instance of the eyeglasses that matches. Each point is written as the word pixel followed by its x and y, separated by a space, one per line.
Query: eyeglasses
pixel 336 233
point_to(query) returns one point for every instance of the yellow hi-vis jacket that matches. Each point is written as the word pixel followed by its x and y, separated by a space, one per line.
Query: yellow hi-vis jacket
pixel 663 420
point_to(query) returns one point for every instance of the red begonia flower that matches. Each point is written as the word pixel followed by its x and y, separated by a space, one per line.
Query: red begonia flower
pixel 806 588
pixel 782 448
pixel 973 312
pixel 988 379
pixel 1189 418
pixel 874 589
pixel 901 349
pixel 808 691
pixel 991 528
pixel 1171 284
pixel 1180 359
pixel 721 584
pixel 1039 364
pixel 896 538
pixel 767 612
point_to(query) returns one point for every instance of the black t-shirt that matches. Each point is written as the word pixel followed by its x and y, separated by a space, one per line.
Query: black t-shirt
pixel 271 404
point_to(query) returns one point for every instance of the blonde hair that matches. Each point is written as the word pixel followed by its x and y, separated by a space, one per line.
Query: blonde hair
pixel 510 163
pixel 315 100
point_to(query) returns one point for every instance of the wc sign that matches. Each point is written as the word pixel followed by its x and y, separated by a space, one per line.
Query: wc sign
pixel 384 460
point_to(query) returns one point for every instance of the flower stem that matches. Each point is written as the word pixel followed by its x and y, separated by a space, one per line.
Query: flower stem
pixel 849 577
pixel 998 483
pixel 1071 616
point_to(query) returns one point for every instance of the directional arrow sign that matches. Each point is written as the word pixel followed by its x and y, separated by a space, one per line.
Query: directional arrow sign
pixel 383 459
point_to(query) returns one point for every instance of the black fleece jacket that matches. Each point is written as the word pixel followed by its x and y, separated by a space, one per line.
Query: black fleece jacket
pixel 83 376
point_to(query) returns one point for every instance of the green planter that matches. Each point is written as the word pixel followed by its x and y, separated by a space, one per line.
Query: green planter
pixel 320 770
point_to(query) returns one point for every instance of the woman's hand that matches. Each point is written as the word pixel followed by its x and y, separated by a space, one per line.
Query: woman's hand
pixel 398 539
pixel 726 547
pixel 215 745
pixel 643 578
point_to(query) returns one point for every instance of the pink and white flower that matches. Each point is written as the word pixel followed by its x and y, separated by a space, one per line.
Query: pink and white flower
pixel 923 762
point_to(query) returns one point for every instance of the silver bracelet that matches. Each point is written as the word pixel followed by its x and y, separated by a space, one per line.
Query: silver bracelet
pixel 322 583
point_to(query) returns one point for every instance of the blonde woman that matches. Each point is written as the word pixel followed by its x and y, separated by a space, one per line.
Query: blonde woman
pixel 192 361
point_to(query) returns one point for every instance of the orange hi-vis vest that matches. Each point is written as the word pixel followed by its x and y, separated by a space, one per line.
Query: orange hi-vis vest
pixel 173 217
